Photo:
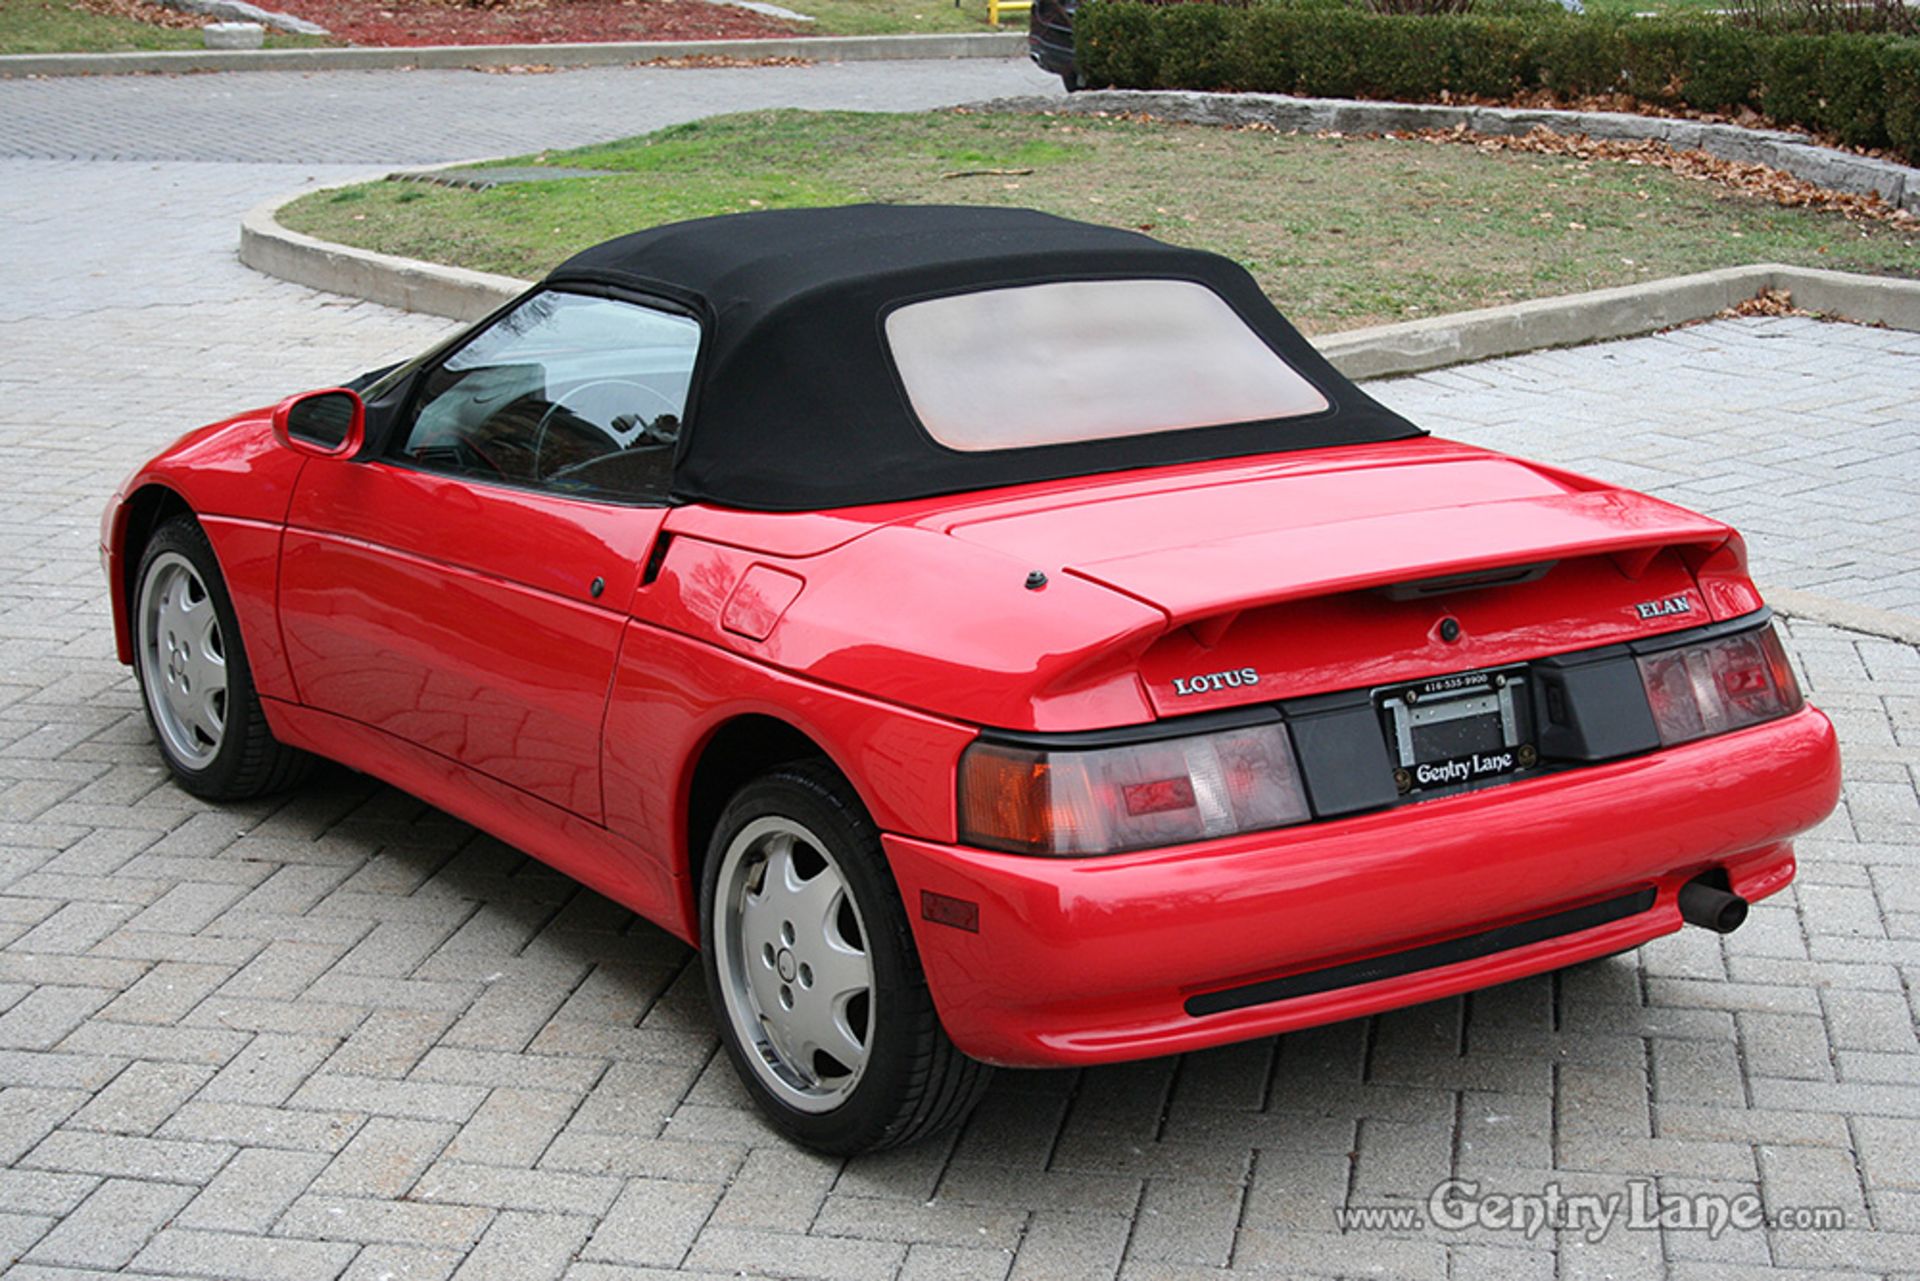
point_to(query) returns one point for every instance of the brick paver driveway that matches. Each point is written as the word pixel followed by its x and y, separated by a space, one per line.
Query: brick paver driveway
pixel 337 1033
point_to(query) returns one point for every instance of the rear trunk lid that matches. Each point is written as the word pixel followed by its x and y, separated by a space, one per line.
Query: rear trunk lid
pixel 1363 567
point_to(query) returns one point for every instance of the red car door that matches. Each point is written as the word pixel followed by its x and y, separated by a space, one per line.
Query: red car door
pixel 465 590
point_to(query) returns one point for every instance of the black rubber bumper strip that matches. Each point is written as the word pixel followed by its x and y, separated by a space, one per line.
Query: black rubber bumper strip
pixel 1469 947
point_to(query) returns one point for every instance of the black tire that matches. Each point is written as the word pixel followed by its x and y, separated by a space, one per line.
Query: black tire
pixel 914 1081
pixel 244 759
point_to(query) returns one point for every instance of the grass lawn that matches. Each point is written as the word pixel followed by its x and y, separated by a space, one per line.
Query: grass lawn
pixel 54 26
pixel 1340 232
pixel 899 17
pixel 1626 8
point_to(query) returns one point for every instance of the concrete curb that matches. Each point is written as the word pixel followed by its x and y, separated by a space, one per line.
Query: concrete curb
pixel 992 44
pixel 1416 346
pixel 406 283
pixel 1838 613
pixel 1791 153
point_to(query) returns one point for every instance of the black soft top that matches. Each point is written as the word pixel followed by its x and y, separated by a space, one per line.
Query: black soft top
pixel 797 405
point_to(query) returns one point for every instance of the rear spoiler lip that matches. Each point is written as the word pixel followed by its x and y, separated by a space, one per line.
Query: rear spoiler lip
pixel 1183 583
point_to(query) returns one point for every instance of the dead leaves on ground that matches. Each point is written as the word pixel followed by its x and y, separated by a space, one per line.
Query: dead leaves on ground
pixel 153 15
pixel 1772 185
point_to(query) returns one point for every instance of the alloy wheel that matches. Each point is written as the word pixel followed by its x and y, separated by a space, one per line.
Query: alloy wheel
pixel 795 971
pixel 183 660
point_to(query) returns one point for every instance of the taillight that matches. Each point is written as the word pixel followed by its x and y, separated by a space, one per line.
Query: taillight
pixel 1719 685
pixel 1104 800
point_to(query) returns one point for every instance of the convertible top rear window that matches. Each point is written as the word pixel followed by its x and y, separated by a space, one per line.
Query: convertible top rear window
pixel 1087 360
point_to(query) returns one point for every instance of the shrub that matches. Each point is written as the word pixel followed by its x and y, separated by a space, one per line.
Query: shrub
pixel 1488 57
pixel 1863 89
pixel 1723 68
pixel 1195 49
pixel 1790 78
pixel 1653 60
pixel 1263 61
pixel 1580 58
pixel 1326 54
pixel 1113 44
pixel 1851 83
pixel 1409 63
pixel 1900 73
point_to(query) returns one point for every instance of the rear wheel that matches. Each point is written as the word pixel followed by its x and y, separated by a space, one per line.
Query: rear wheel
pixel 810 964
pixel 194 678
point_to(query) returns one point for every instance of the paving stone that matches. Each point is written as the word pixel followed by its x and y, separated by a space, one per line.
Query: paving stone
pixel 543 1191
pixel 779 1188
pixel 242 1258
pixel 415 1100
pixel 1889 1151
pixel 28 1114
pixel 801 1257
pixel 271 1068
pixel 44 1018
pixel 953 1263
pixel 887 1219
pixel 403 1263
pixel 525 1247
pixel 263 1127
pixel 654 1223
pixel 512 1128
pixel 127 1156
pixel 1186 1222
pixel 389 1042
pixel 251 1191
pixel 142 1098
pixel 321 1217
pixel 111 1225
pixel 1064 1244
pixel 385 1159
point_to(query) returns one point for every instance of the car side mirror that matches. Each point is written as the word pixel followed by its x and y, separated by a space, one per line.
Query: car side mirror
pixel 323 424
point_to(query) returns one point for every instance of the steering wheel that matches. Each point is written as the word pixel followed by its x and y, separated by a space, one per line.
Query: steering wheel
pixel 625 398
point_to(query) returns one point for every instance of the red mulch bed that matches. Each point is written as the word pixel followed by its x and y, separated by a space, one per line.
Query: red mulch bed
pixel 422 22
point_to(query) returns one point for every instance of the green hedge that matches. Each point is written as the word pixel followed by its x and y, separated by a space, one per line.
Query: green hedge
pixel 1863 89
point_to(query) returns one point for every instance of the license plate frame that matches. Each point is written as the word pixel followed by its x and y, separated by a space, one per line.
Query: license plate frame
pixel 1457 731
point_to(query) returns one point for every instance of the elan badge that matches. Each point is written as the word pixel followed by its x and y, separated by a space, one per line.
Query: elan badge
pixel 1665 606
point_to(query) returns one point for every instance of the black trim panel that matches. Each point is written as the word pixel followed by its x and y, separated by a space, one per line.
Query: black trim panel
pixel 1470 947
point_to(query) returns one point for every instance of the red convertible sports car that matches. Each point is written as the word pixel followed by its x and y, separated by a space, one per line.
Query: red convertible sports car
pixel 990 639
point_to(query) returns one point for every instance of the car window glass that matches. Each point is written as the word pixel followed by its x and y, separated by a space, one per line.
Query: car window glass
pixel 1087 360
pixel 576 395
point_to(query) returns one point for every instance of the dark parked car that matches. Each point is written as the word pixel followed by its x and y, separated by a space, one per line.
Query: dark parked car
pixel 1050 39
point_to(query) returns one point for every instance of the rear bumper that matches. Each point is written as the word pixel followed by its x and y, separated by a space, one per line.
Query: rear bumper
pixel 1080 961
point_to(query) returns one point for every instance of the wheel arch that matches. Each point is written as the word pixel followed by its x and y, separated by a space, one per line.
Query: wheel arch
pixel 141 513
pixel 738 750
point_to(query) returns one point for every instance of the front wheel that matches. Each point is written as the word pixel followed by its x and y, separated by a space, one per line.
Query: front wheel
pixel 193 673
pixel 815 983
